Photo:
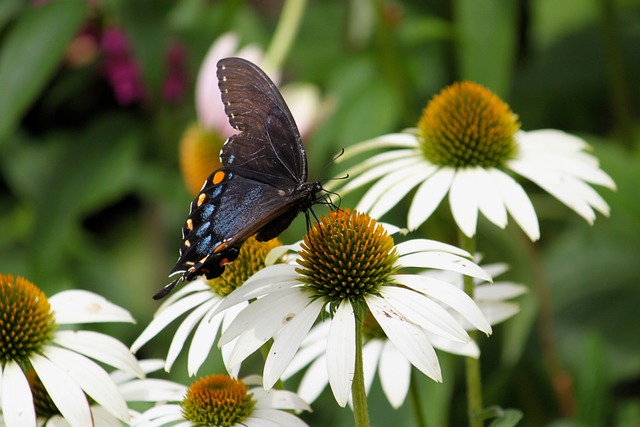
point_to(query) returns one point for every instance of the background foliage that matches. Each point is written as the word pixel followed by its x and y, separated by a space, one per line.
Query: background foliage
pixel 91 195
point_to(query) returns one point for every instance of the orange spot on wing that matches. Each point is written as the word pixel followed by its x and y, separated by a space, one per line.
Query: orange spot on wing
pixel 201 198
pixel 190 224
pixel 218 177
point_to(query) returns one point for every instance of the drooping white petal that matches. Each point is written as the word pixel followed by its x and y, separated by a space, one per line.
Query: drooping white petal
pixel 426 245
pixel 563 187
pixel 64 391
pixel 161 415
pixel 288 340
pixel 315 380
pixel 17 400
pixel 498 291
pixel 396 192
pixel 168 315
pixel 277 307
pixel 279 251
pixel 399 140
pixel 91 378
pixel 443 261
pixel 517 203
pixel 371 352
pixel 463 198
pixel 270 279
pixel 550 140
pixel 395 374
pixel 447 294
pixel 490 200
pixel 424 312
pixel 498 311
pixel 381 187
pixel 203 340
pixel 408 338
pixel 185 328
pixel 341 352
pixel 80 306
pixel 100 347
pixel 429 195
pixel 195 286
pixel 306 354
pixel 152 390
pixel 377 166
pixel 469 349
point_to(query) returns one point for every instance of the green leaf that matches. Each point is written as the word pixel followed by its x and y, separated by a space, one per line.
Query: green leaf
pixel 31 53
pixel 486 36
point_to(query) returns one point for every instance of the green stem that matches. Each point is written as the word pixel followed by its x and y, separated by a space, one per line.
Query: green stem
pixel 358 393
pixel 285 33
pixel 416 406
pixel 472 366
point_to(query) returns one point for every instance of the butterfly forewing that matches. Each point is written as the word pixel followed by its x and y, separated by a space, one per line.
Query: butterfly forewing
pixel 256 108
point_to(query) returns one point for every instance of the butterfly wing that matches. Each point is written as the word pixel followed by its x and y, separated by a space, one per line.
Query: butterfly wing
pixel 268 146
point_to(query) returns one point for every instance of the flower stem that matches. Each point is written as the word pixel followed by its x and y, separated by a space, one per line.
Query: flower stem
pixel 285 33
pixel 472 365
pixel 416 406
pixel 358 393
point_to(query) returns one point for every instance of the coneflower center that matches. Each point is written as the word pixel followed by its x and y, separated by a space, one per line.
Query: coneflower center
pixel 250 260
pixel 466 125
pixel 26 320
pixel 217 400
pixel 347 255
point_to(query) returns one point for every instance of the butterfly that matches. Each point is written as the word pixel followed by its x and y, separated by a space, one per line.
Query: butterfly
pixel 262 184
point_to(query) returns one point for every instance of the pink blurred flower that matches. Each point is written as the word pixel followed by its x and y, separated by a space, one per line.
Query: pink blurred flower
pixel 120 67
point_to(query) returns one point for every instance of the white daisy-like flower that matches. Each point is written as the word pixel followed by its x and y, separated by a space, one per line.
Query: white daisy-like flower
pixel 132 389
pixel 349 263
pixel 381 356
pixel 219 400
pixel 201 298
pixel 39 362
pixel 466 144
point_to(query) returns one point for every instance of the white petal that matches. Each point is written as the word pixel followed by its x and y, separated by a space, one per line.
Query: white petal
pixel 315 380
pixel 463 198
pixel 498 291
pixel 395 193
pixel 168 315
pixel 424 312
pixel 273 417
pixel 159 416
pixel 288 340
pixel 152 390
pixel 428 196
pixel 377 166
pixel 447 294
pixel 278 399
pixel 381 187
pixel 64 392
pixel 17 400
pixel 305 355
pixel 550 140
pixel 79 306
pixel 202 341
pixel 443 261
pixel 490 200
pixel 91 378
pixel 341 352
pixel 371 351
pixel 469 349
pixel 400 140
pixel 408 338
pixel 395 375
pixel 517 203
pixel 498 311
pixel 195 286
pixel 185 328
pixel 268 280
pixel 426 245
pixel 100 347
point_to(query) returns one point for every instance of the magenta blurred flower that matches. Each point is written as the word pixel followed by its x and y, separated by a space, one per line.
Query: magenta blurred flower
pixel 175 83
pixel 120 67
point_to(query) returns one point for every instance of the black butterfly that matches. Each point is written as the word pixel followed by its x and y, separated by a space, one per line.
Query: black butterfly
pixel 263 182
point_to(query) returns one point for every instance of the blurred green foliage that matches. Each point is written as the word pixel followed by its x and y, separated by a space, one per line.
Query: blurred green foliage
pixel 91 195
